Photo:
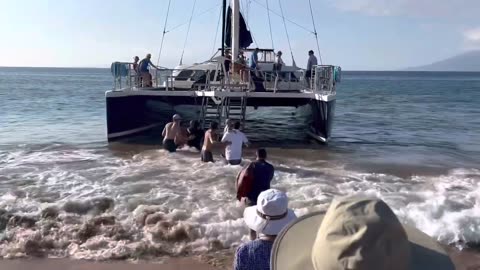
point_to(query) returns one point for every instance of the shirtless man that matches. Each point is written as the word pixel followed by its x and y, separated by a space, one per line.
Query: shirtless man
pixel 170 132
pixel 209 140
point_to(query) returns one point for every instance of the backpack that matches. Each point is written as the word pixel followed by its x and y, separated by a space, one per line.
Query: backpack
pixel 244 181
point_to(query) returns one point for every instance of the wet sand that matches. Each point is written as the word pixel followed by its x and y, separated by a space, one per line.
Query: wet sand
pixel 463 260
pixel 66 264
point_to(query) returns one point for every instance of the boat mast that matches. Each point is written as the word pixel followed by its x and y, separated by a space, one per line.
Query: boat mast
pixel 235 30
pixel 224 6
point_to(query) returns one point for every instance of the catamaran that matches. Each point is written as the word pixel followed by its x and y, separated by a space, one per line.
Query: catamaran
pixel 222 88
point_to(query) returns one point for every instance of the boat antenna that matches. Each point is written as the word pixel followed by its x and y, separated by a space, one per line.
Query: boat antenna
pixel 270 24
pixel 286 32
pixel 315 32
pixel 188 31
pixel 164 32
pixel 224 20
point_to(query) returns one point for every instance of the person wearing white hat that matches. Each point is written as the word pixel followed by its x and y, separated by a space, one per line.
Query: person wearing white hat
pixel 170 132
pixel 267 218
pixel 356 233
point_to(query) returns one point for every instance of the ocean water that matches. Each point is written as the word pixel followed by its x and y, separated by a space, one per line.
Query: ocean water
pixel 409 138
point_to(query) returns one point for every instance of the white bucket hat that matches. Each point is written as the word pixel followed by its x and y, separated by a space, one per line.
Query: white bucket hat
pixel 271 214
pixel 356 234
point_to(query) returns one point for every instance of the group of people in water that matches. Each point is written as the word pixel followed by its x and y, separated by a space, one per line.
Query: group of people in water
pixel 233 139
pixel 356 232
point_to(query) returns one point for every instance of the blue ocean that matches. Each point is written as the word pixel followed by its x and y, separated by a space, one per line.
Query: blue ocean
pixel 410 138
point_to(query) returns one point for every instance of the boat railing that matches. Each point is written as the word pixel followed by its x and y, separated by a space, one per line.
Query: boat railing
pixel 323 79
pixel 124 75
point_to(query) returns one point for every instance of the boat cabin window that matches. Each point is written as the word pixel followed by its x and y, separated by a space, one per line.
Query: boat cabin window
pixel 184 75
pixel 264 56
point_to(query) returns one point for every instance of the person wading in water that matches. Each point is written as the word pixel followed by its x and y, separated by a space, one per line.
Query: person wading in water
pixel 170 132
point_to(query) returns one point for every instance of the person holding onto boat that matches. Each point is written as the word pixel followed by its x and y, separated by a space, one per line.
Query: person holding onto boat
pixel 233 151
pixel 268 218
pixel 209 140
pixel 195 135
pixel 312 61
pixel 170 133
pixel 144 71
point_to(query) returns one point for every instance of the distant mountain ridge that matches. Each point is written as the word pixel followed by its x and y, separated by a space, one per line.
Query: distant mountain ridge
pixel 468 61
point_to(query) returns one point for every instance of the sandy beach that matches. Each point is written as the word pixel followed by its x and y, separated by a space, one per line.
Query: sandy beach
pixel 463 260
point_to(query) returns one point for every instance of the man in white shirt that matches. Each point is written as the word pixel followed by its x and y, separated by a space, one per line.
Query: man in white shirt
pixel 233 151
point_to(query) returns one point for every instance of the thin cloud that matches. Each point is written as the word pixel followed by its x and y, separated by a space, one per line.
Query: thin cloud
pixel 472 38
pixel 418 8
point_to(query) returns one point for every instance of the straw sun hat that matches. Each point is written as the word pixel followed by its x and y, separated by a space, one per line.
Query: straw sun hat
pixel 271 214
pixel 356 234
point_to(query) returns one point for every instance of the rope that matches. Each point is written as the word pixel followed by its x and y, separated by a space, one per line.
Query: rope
pixel 198 14
pixel 286 32
pixel 270 24
pixel 164 32
pixel 216 32
pixel 284 18
pixel 188 31
pixel 315 32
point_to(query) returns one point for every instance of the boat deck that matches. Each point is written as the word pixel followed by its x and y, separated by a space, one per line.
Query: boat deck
pixel 161 92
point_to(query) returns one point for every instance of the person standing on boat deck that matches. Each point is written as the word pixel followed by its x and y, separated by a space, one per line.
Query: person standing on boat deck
pixel 242 63
pixel 195 134
pixel 144 72
pixel 278 62
pixel 233 151
pixel 228 65
pixel 254 59
pixel 312 61
pixel 135 68
pixel 277 67
pixel 209 140
pixel 170 133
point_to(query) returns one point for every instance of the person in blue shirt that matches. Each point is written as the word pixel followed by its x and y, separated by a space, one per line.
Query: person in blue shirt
pixel 254 59
pixel 144 72
pixel 262 176
pixel 267 218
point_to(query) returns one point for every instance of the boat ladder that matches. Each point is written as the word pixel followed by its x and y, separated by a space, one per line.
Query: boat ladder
pixel 236 109
pixel 212 111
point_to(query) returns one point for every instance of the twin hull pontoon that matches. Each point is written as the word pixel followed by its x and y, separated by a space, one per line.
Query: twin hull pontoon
pixel 133 109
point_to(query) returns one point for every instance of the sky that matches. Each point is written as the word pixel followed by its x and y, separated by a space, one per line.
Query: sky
pixel 354 34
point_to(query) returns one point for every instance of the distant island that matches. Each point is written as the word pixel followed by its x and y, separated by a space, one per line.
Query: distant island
pixel 469 61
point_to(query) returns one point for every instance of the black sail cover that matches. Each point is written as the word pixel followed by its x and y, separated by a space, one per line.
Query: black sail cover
pixel 245 38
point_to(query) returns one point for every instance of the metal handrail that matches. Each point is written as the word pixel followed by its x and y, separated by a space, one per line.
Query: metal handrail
pixel 322 79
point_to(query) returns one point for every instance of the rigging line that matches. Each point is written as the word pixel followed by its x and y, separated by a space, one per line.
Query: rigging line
pixel 287 19
pixel 270 24
pixel 196 15
pixel 163 34
pixel 315 32
pixel 286 32
pixel 188 31
pixel 216 32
